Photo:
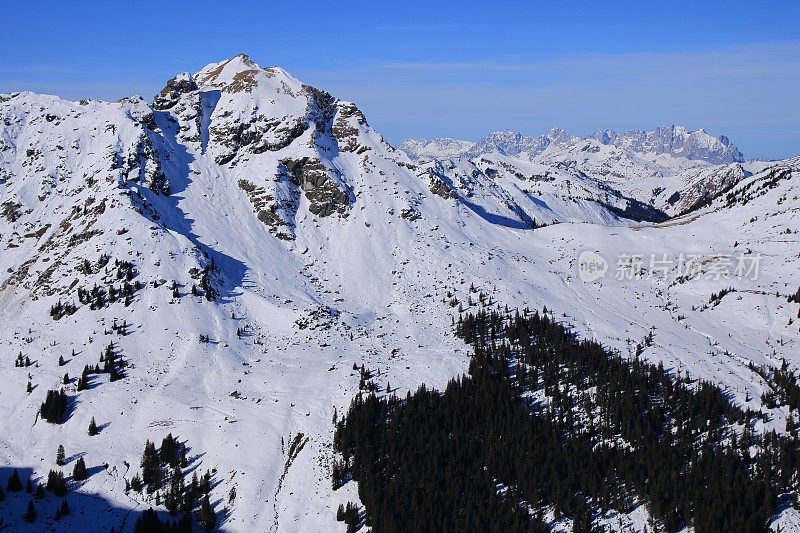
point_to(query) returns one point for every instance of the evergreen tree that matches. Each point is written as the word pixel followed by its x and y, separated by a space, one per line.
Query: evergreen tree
pixel 39 492
pixel 14 482
pixel 92 428
pixel 151 468
pixel 206 518
pixel 56 483
pixel 445 451
pixel 30 513
pixel 54 408
pixel 29 486
pixel 64 507
pixel 60 455
pixel 148 522
pixel 167 453
pixel 79 471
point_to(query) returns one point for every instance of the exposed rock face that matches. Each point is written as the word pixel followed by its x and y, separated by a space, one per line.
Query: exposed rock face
pixel 320 110
pixel 172 91
pixel 143 165
pixel 440 188
pixel 261 135
pixel 320 188
pixel 345 128
pixel 710 185
pixel 269 210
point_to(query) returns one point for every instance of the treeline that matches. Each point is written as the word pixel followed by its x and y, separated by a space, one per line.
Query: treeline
pixel 563 424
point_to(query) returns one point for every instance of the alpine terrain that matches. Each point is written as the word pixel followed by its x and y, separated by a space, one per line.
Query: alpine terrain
pixel 221 304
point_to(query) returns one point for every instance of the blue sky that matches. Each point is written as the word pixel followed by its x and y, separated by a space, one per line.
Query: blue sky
pixel 457 69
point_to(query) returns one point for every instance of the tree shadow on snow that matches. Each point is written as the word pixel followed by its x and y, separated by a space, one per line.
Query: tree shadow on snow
pixel 88 512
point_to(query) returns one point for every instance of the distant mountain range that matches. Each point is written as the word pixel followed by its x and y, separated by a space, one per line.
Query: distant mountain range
pixel 675 141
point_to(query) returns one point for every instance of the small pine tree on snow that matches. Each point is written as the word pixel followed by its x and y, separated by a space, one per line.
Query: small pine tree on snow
pixel 64 508
pixel 39 492
pixel 29 388
pixel 14 483
pixel 29 486
pixel 151 468
pixel 92 428
pixel 30 513
pixel 167 453
pixel 56 483
pixel 60 455
pixel 79 472
pixel 206 517
pixel 136 483
pixel 61 360
pixel 205 483
pixel 66 379
pixel 54 408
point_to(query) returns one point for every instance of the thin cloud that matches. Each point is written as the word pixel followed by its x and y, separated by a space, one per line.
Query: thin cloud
pixel 753 59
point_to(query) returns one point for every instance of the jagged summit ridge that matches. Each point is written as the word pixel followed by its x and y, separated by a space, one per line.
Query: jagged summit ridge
pixel 675 141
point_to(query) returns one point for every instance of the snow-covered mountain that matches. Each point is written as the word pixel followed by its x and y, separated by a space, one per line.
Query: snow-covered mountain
pixel 242 241
pixel 670 170
pixel 441 148
pixel 675 141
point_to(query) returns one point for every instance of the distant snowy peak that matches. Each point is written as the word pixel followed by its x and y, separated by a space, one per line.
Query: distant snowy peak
pixel 441 148
pixel 676 141
pixel 515 144
pixel 505 142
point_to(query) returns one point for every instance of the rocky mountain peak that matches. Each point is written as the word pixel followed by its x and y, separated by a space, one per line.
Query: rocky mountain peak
pixel 674 140
pixel 242 74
